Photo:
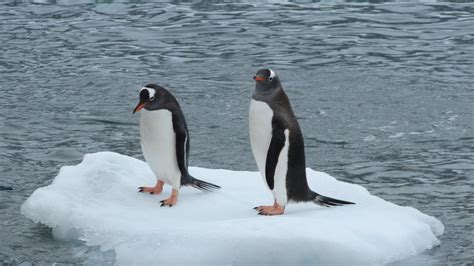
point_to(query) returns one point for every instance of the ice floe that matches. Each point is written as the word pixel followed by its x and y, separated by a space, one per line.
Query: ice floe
pixel 97 202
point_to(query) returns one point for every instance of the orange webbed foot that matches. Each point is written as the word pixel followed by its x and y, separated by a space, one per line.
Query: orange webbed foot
pixel 171 201
pixel 278 211
pixel 157 189
pixel 270 210
pixel 264 208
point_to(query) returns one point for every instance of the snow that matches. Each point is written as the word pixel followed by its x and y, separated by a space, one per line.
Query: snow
pixel 97 202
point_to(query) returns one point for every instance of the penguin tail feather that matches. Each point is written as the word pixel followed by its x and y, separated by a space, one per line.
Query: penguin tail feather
pixel 327 201
pixel 203 185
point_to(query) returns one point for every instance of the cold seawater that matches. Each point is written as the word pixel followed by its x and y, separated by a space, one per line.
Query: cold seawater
pixel 383 93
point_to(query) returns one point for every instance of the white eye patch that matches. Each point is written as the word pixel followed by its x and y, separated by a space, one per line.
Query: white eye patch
pixel 272 74
pixel 151 92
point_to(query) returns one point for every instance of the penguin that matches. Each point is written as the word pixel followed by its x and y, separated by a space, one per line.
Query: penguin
pixel 164 140
pixel 278 147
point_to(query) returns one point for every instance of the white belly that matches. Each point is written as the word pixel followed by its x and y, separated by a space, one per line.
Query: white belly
pixel 260 127
pixel 158 141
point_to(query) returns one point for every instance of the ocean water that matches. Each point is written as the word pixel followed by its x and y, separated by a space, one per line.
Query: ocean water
pixel 383 92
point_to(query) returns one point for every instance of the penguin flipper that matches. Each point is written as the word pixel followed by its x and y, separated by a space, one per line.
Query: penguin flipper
pixel 182 148
pixel 276 145
pixel 328 201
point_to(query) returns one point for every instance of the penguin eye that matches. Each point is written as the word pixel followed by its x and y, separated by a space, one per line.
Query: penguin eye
pixel 270 78
pixel 152 98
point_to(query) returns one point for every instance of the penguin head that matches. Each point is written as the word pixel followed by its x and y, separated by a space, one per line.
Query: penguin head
pixel 150 98
pixel 266 81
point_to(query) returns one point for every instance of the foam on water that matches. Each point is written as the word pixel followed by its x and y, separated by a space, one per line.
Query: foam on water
pixel 97 202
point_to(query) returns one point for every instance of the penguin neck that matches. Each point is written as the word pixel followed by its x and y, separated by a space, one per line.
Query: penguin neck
pixel 266 94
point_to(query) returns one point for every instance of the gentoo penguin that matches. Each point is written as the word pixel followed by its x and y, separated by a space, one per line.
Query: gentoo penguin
pixel 278 148
pixel 165 142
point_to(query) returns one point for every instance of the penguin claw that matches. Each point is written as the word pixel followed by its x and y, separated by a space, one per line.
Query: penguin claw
pixel 150 190
pixel 164 203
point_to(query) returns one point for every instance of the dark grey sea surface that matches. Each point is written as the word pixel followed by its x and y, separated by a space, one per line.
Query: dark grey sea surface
pixel 384 93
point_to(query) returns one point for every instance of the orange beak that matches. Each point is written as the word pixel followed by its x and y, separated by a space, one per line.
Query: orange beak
pixel 259 78
pixel 138 107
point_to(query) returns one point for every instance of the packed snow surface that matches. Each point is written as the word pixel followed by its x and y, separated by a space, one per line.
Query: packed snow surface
pixel 97 202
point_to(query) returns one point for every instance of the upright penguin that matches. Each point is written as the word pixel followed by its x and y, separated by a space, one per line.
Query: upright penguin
pixel 165 142
pixel 278 147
